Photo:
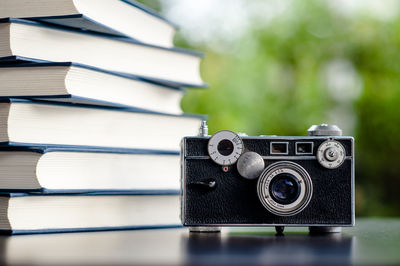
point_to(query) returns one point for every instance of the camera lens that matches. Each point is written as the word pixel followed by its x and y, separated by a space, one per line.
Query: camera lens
pixel 225 147
pixel 284 188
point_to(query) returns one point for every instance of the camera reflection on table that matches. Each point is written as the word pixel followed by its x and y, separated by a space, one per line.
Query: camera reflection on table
pixel 245 246
pixel 260 247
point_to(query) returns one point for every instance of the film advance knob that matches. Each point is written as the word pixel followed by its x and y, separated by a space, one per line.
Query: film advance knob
pixel 331 153
pixel 250 165
pixel 324 130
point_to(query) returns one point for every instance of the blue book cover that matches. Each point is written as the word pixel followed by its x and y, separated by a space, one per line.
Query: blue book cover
pixel 110 193
pixel 44 206
pixel 43 148
pixel 76 100
pixel 87 229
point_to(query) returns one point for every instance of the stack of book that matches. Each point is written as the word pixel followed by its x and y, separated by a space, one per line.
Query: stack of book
pixel 90 118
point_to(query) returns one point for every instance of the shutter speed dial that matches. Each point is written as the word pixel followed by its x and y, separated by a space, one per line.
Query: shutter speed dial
pixel 225 147
pixel 331 154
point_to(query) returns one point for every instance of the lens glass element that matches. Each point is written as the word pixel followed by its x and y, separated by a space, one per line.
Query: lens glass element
pixel 225 147
pixel 284 188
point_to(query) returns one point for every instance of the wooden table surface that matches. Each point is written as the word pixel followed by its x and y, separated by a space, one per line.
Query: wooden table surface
pixel 372 241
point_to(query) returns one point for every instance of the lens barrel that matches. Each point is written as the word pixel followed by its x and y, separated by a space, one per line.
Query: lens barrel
pixel 284 188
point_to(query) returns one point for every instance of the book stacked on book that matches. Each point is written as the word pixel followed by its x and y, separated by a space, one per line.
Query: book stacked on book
pixel 90 118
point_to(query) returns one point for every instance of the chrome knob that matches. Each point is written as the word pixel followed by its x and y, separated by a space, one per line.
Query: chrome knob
pixel 331 154
pixel 250 165
pixel 324 130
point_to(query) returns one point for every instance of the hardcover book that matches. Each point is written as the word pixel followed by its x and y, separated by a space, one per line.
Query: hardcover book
pixel 116 17
pixel 69 82
pixel 51 170
pixel 40 41
pixel 39 123
pixel 22 213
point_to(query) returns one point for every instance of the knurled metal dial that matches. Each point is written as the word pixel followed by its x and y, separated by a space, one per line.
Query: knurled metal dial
pixel 225 147
pixel 331 154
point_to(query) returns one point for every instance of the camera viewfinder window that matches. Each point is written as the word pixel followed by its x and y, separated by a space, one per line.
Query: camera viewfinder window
pixel 279 148
pixel 304 148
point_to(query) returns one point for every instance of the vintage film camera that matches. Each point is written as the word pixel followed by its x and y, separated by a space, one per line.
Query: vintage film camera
pixel 231 179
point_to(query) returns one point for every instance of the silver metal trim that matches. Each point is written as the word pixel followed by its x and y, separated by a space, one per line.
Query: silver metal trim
pixel 279 142
pixel 289 157
pixel 203 131
pixel 324 229
pixel 270 225
pixel 304 153
pixel 353 193
pixel 297 137
pixel 204 157
pixel 204 229
pixel 182 179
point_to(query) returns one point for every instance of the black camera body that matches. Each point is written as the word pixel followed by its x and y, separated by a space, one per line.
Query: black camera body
pixel 233 180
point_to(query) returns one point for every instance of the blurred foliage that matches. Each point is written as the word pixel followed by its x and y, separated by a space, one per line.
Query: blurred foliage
pixel 271 81
pixel 153 4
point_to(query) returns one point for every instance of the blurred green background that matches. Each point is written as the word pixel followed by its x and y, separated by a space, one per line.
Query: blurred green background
pixel 277 67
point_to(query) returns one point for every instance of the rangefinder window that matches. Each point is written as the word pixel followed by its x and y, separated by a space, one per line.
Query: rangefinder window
pixel 304 148
pixel 279 148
